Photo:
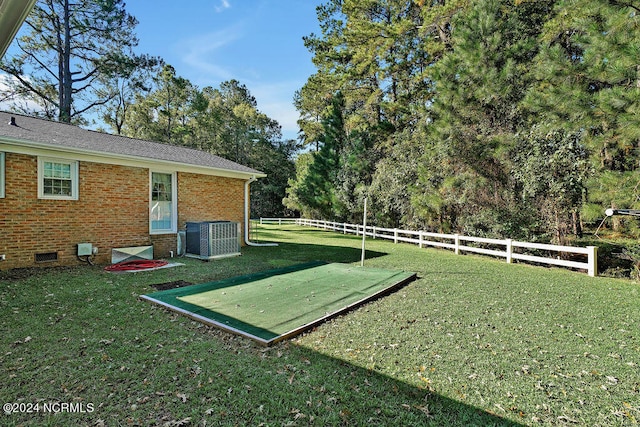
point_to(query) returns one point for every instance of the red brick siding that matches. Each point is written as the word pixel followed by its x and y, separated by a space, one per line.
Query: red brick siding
pixel 204 198
pixel 112 211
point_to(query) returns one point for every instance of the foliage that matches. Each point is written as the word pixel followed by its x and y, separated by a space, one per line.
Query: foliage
pixel 552 170
pixel 464 181
pixel 163 114
pixel 68 54
pixel 296 184
pixel 587 80
pixel 319 187
pixel 374 54
pixel 450 97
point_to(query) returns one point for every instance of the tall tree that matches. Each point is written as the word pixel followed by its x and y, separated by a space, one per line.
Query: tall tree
pixel 588 80
pixel 123 86
pixel 552 169
pixel 318 190
pixel 163 114
pixel 465 176
pixel 224 121
pixel 69 46
pixel 379 54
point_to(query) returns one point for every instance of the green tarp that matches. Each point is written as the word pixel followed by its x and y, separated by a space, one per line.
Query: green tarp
pixel 280 303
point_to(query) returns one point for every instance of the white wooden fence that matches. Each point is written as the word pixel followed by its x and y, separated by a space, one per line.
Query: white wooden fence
pixel 504 248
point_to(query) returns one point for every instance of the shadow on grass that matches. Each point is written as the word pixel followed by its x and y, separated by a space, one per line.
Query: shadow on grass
pixel 372 398
pixel 311 252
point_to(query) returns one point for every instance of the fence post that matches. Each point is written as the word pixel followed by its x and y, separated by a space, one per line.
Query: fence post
pixel 457 244
pixel 420 238
pixel 395 235
pixel 593 261
pixel 509 250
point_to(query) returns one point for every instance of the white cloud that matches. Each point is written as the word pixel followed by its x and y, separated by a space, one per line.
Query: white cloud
pixel 199 53
pixel 223 5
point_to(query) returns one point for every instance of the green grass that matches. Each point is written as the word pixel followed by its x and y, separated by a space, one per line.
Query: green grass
pixel 473 341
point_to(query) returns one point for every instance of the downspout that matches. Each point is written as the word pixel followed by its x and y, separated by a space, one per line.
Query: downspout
pixel 247 215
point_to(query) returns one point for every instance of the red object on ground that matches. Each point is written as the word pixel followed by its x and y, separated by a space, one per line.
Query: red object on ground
pixel 138 264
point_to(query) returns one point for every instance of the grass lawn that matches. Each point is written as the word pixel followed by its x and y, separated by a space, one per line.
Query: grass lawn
pixel 473 341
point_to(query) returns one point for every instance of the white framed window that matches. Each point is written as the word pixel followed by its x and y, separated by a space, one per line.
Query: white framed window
pixel 163 203
pixel 57 179
pixel 1 175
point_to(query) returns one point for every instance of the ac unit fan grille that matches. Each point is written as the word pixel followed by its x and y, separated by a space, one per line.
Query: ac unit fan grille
pixel 212 239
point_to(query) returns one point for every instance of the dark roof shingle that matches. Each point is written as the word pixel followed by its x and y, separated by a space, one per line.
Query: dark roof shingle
pixel 66 136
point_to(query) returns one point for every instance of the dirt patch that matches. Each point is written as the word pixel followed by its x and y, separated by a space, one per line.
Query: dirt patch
pixel 27 272
pixel 171 285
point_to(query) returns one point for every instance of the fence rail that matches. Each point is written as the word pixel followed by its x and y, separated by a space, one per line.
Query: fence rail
pixel 582 258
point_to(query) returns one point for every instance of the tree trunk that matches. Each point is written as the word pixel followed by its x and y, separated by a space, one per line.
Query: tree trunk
pixel 577 223
pixel 65 69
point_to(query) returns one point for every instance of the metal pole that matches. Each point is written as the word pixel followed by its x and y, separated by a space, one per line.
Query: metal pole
pixel 364 232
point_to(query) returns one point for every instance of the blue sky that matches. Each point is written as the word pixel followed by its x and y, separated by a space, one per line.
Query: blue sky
pixel 257 42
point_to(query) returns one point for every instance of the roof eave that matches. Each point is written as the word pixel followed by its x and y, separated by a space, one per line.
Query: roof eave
pixel 12 14
pixel 38 148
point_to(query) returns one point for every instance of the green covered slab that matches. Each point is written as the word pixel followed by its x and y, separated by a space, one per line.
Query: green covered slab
pixel 278 304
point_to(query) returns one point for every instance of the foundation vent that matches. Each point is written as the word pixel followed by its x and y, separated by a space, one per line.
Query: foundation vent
pixel 46 257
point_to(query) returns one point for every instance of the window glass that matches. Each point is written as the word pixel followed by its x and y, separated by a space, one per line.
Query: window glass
pixel 57 179
pixel 162 209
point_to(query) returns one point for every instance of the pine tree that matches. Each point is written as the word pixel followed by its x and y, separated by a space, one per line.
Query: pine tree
pixel 317 191
pixel 588 79
pixel 67 52
pixel 465 181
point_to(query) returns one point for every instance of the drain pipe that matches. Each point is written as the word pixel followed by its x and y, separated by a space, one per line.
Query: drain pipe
pixel 247 215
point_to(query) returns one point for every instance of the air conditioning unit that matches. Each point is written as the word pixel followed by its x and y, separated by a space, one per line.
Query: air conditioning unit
pixel 212 239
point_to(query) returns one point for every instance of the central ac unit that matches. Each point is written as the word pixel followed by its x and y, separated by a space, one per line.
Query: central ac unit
pixel 212 239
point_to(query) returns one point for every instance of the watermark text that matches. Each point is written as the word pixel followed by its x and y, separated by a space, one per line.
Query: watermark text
pixel 47 407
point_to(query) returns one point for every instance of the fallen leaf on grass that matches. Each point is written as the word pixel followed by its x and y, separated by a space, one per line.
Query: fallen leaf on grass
pixel 566 419
pixel 178 423
pixel 182 397
pixel 425 410
pixel 24 341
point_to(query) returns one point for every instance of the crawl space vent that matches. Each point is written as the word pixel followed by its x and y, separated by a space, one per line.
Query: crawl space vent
pixel 47 257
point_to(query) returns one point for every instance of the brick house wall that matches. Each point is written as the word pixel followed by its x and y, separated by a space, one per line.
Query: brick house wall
pixel 112 211
pixel 203 198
